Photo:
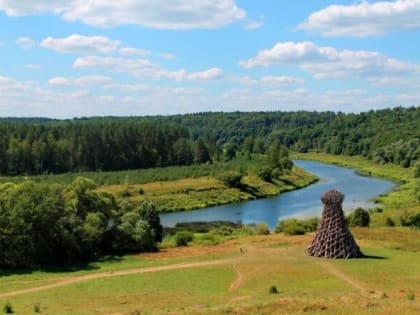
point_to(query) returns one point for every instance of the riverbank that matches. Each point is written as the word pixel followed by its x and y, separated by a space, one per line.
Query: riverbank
pixel 196 193
pixel 402 200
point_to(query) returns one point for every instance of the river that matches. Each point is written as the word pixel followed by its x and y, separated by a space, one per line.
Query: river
pixel 359 192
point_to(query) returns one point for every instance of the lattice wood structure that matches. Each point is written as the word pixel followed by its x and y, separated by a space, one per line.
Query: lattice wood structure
pixel 333 238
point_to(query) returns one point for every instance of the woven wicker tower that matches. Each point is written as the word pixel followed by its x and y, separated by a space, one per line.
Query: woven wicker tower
pixel 333 238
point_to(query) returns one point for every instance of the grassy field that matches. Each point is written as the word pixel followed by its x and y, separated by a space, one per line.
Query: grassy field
pixel 235 277
pixel 194 193
pixel 223 280
pixel 179 188
pixel 403 199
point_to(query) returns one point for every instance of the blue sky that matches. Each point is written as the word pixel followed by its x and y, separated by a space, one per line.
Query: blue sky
pixel 73 58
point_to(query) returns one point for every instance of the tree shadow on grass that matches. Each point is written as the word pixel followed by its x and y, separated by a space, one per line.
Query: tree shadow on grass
pixel 68 268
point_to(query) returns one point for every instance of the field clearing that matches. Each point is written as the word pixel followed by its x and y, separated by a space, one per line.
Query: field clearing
pixel 222 280
pixel 195 193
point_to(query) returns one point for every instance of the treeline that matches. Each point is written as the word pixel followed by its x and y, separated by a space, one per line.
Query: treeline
pixel 62 146
pixel 386 136
pixel 42 224
pixel 35 146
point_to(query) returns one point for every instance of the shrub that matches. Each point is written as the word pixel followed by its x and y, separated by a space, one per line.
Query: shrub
pixel 266 174
pixel 411 220
pixel 262 229
pixel 411 296
pixel 290 227
pixel 389 222
pixel 360 217
pixel 232 179
pixel 273 290
pixel 125 192
pixel 7 308
pixel 296 226
pixel 37 308
pixel 182 238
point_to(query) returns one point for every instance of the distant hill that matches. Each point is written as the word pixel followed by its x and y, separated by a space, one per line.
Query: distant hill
pixel 36 145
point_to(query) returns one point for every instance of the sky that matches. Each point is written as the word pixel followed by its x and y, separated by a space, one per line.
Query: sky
pixel 76 58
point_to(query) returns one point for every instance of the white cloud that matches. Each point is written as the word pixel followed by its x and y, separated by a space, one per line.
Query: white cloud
pixel 25 42
pixel 254 24
pixel 144 69
pixel 364 19
pixel 280 80
pixel 20 8
pixel 266 81
pixel 81 44
pixel 161 14
pixel 32 66
pixel 327 62
pixel 80 81
pixel 167 56
pixel 24 98
pixel 131 51
pixel 210 74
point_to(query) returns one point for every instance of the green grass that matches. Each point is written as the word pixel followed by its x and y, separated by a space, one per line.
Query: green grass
pixel 306 285
pixel 142 176
pixel 195 193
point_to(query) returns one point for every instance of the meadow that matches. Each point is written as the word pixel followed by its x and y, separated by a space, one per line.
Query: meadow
pixel 238 274
pixel 225 280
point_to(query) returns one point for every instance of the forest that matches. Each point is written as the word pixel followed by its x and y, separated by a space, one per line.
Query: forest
pixel 43 224
pixel 38 146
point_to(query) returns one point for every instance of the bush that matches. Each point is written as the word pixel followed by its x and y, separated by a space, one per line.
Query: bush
pixel 290 227
pixel 273 290
pixel 125 193
pixel 266 174
pixel 360 217
pixel 262 229
pixel 37 308
pixel 7 308
pixel 411 220
pixel 296 226
pixel 182 238
pixel 232 179
pixel 389 222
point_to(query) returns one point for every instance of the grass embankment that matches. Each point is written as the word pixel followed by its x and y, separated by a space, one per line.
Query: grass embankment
pixel 179 188
pixel 201 192
pixel 403 199
pixel 224 280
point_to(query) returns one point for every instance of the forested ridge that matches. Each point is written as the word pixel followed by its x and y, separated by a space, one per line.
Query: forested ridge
pixel 38 145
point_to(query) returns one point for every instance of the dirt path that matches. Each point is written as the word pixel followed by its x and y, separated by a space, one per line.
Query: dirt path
pixel 341 275
pixel 116 274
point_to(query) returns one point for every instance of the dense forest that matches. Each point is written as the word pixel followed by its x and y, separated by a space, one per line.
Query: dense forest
pixel 36 146
pixel 43 224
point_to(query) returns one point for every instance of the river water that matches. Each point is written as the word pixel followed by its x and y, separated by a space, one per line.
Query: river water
pixel 359 192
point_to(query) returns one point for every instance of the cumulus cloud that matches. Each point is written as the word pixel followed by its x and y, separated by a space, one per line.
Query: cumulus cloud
pixel 161 14
pixel 131 51
pixel 80 81
pixel 364 19
pixel 25 42
pixel 266 81
pixel 210 74
pixel 144 69
pixel 254 24
pixel 167 56
pixel 327 62
pixel 25 98
pixel 76 43
pixel 20 8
